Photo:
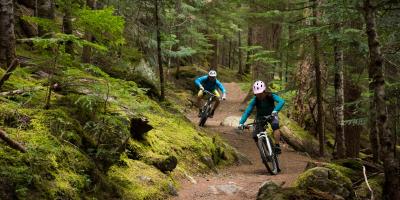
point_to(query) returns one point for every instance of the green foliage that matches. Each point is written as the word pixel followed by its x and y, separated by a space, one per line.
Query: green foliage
pixel 106 27
pixel 46 24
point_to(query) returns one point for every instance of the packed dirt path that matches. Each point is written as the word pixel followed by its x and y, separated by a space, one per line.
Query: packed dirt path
pixel 238 182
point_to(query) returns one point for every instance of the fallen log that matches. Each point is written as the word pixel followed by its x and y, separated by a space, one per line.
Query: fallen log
pixel 298 143
pixel 19 91
pixel 13 144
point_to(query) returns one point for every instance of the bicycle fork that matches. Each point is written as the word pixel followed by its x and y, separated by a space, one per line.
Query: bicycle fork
pixel 262 136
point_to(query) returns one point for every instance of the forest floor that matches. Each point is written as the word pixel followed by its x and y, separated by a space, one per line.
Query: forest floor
pixel 239 181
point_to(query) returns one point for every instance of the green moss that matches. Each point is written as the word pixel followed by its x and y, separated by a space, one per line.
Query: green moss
pixel 138 180
pixel 350 173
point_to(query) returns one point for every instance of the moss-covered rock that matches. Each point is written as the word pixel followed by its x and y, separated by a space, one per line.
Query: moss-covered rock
pixel 326 180
pixel 271 191
pixel 376 183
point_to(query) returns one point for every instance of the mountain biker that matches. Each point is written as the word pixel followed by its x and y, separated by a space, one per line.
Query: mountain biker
pixel 264 101
pixel 210 83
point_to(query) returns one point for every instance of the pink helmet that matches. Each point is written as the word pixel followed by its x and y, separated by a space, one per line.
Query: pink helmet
pixel 259 87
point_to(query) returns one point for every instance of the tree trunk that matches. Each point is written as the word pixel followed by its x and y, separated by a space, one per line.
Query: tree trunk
pixel 230 54
pixel 7 36
pixel 390 163
pixel 87 51
pixel 45 10
pixel 178 7
pixel 318 80
pixel 67 28
pixel 215 55
pixel 372 126
pixel 159 57
pixel 339 98
pixel 241 72
pixel 249 43
pixel 223 52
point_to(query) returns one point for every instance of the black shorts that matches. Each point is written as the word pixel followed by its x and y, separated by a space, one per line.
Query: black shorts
pixel 261 127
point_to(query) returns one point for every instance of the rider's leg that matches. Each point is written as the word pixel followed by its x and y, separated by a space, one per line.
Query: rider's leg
pixel 277 134
pixel 199 98
pixel 275 128
pixel 259 128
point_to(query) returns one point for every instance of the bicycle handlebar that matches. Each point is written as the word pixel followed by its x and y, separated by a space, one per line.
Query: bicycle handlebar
pixel 267 118
pixel 211 94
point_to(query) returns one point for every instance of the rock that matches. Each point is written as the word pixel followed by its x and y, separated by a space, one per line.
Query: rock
pixel 240 158
pixel 272 191
pixel 228 189
pixel 167 164
pixel 326 180
pixel 267 189
pixel 145 179
pixel 376 184
pixel 233 121
pixel 172 190
pixel 191 179
pixel 208 161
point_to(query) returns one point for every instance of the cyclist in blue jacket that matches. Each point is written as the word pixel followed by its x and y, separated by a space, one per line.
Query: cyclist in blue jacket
pixel 210 83
pixel 264 101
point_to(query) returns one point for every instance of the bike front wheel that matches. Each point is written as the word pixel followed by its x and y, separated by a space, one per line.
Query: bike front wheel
pixel 269 158
pixel 204 116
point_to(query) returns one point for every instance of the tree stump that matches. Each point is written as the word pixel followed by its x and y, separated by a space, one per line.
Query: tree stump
pixel 139 126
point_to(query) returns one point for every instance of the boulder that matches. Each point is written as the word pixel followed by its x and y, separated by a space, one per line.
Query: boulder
pixel 376 183
pixel 327 181
pixel 271 191
pixel 233 121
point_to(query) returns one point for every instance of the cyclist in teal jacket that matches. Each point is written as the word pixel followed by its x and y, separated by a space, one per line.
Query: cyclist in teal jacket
pixel 264 101
pixel 210 83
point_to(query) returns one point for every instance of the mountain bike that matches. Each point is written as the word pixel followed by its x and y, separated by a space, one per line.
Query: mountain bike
pixel 264 143
pixel 206 109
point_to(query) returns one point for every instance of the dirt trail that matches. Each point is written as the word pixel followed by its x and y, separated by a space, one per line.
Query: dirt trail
pixel 243 181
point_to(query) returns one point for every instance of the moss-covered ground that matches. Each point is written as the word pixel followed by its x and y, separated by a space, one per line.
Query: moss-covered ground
pixel 82 146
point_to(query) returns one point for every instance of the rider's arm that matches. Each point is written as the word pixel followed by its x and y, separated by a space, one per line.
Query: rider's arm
pixel 248 110
pixel 280 102
pixel 199 80
pixel 221 87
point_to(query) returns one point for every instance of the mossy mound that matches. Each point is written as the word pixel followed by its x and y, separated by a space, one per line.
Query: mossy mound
pixel 376 183
pixel 326 180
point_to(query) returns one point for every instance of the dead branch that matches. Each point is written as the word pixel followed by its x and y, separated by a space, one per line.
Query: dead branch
pixel 13 144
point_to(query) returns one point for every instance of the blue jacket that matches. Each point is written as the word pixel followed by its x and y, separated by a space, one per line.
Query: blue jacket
pixel 252 104
pixel 209 85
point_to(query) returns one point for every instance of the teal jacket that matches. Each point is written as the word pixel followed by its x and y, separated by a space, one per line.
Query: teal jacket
pixel 209 85
pixel 264 108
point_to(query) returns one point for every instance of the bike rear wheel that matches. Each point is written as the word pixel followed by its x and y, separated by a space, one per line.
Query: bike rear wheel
pixel 270 160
